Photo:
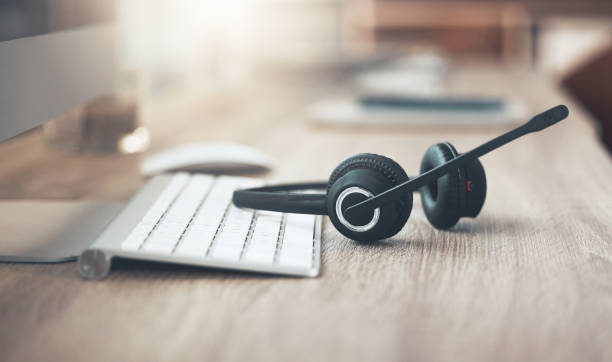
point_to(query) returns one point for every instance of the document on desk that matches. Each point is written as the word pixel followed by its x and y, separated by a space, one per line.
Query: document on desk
pixel 393 110
pixel 415 91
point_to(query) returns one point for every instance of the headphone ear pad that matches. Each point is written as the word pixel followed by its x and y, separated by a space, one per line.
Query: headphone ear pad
pixel 476 187
pixel 442 199
pixel 359 170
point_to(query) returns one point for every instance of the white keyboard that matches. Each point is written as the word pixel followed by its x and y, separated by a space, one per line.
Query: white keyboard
pixel 193 221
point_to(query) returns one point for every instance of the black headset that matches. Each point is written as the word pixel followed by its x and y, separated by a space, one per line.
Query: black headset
pixel 369 197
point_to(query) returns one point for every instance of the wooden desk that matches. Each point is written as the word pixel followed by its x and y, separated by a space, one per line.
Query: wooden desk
pixel 529 279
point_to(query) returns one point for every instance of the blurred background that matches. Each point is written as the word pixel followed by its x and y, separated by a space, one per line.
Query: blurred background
pixel 219 46
pixel 223 50
pixel 210 36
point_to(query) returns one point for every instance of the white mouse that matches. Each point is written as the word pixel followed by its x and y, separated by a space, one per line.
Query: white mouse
pixel 207 157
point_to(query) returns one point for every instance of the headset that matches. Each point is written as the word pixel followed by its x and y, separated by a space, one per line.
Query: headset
pixel 369 197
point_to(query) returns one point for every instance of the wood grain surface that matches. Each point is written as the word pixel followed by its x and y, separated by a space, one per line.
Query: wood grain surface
pixel 529 280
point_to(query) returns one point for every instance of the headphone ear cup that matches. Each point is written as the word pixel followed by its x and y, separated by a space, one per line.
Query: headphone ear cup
pixel 442 199
pixel 374 173
pixel 476 188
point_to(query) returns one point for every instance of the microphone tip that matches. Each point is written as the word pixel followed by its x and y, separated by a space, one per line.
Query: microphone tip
pixel 548 118
pixel 561 111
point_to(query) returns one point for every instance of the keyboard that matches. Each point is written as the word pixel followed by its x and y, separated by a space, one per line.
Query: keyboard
pixel 190 219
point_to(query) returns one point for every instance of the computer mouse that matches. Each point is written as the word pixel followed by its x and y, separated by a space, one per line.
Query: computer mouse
pixel 217 158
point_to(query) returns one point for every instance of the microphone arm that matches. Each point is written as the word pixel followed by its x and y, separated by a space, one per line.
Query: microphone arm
pixel 537 123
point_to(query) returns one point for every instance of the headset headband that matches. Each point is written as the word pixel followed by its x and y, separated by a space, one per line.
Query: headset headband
pixel 280 198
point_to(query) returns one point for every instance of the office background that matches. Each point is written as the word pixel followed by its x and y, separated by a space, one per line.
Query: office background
pixel 529 279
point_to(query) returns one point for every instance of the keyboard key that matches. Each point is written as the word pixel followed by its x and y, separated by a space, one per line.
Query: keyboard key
pixel 300 262
pixel 143 229
pixel 264 240
pixel 158 248
pixel 297 247
pixel 206 222
pixel 200 236
pixel 299 230
pixel 295 253
pixel 260 257
pixel 173 224
pixel 226 252
pixel 192 250
pixel 233 234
